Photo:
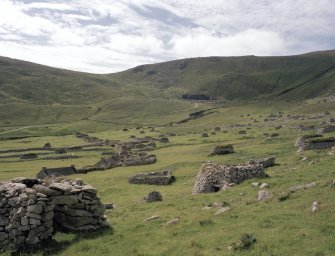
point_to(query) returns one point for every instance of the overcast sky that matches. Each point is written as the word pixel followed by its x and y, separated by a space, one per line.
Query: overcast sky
pixel 104 36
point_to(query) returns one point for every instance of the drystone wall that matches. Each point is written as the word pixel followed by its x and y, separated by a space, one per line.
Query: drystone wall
pixel 213 177
pixel 314 142
pixel 152 178
pixel 33 210
pixel 26 216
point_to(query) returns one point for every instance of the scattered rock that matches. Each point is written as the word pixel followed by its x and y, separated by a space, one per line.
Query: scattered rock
pixel 153 197
pixel 153 217
pixel 60 151
pixel 223 149
pixel 222 210
pixel 109 206
pixel 264 185
pixel 255 184
pixel 300 187
pixel 315 206
pixel 172 222
pixel 47 145
pixel 164 140
pixel 263 196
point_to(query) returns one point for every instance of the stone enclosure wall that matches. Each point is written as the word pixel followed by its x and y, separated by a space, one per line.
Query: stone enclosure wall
pixel 213 177
pixel 314 142
pixel 32 210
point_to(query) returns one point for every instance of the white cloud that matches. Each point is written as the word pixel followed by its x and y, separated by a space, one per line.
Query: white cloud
pixel 111 35
pixel 249 42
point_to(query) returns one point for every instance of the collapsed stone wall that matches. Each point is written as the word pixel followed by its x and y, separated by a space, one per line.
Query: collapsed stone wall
pixel 33 210
pixel 213 177
pixel 152 178
pixel 121 159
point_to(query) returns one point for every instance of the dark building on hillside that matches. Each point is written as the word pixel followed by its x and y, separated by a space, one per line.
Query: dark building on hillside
pixel 196 97
pixel 56 172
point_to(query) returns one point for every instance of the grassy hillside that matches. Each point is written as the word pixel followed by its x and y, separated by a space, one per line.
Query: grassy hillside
pixel 244 78
pixel 32 94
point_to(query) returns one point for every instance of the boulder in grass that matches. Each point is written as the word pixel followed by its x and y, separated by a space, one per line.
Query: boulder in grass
pixel 164 140
pixel 223 150
pixel 47 145
pixel 153 196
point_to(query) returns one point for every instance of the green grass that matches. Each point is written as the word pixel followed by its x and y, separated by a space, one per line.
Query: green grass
pixel 281 228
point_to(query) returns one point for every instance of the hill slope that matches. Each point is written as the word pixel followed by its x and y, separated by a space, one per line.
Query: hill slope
pixel 244 78
pixel 32 94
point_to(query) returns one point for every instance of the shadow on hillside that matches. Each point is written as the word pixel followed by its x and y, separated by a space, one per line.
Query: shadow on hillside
pixel 54 247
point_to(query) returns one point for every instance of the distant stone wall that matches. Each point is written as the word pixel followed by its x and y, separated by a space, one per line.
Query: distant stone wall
pixel 314 142
pixel 195 97
pixel 213 177
pixel 32 210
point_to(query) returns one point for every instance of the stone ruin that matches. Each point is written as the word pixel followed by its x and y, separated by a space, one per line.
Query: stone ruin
pixel 153 178
pixel 314 142
pixel 33 210
pixel 56 172
pixel 213 177
pixel 222 150
pixel 266 162
pixel 125 158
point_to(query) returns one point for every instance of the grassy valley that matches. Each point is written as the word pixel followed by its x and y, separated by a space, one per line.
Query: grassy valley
pixel 259 95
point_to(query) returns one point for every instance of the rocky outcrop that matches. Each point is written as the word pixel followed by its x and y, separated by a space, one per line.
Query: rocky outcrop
pixel 152 178
pixel 213 177
pixel 33 210
pixel 314 142
pixel 223 149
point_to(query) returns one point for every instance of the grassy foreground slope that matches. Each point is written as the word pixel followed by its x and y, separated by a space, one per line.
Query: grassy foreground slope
pixel 281 228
